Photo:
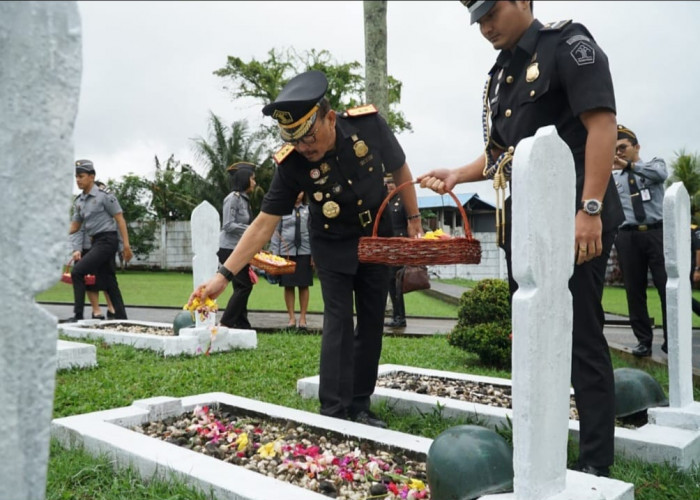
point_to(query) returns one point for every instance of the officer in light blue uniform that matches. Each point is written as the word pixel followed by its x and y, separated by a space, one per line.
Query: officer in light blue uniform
pixel 100 216
pixel 640 241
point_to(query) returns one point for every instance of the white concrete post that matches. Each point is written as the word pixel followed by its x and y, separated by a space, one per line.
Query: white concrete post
pixel 683 411
pixel 205 226
pixel 543 258
pixel 40 63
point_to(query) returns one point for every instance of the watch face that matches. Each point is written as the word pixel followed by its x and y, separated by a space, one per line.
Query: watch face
pixel 592 206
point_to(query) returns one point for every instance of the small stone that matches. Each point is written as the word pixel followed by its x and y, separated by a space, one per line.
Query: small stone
pixel 378 489
pixel 327 488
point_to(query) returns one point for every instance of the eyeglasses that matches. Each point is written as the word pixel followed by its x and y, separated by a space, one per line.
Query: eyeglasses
pixel 621 148
pixel 309 138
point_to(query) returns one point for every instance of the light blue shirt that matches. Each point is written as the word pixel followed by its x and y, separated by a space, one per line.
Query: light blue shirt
pixel 650 179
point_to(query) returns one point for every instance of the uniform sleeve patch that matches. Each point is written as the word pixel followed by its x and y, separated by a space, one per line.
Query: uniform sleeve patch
pixel 583 53
pixel 282 153
pixel 367 109
pixel 577 38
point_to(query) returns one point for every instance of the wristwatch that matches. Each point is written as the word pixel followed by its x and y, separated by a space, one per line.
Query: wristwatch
pixel 591 207
pixel 225 272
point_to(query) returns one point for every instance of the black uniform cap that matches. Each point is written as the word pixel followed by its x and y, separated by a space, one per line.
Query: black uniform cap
pixel 625 133
pixel 241 165
pixel 84 167
pixel 478 8
pixel 296 106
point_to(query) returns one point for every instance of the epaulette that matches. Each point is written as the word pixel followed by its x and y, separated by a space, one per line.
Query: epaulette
pixel 367 109
pixel 283 152
pixel 556 26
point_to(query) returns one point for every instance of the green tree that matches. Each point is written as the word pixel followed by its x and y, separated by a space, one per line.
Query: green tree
pixel 226 146
pixel 176 190
pixel 263 80
pixel 134 197
pixel 686 169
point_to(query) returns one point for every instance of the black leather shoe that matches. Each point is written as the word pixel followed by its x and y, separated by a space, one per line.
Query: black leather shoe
pixel 641 351
pixel 594 471
pixel 664 347
pixel 368 418
pixel 98 316
pixel 72 319
pixel 111 315
pixel 396 323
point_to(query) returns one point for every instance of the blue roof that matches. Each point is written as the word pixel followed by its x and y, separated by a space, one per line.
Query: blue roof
pixel 445 200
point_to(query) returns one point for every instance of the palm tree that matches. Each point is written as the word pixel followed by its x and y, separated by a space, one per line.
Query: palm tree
pixel 686 169
pixel 226 146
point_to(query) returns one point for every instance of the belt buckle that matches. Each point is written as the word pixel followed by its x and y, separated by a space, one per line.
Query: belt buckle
pixel 365 218
pixel 642 227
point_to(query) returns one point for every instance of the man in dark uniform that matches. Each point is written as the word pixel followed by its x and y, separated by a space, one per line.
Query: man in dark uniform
pixel 544 75
pixel 640 242
pixel 99 214
pixel 397 213
pixel 339 161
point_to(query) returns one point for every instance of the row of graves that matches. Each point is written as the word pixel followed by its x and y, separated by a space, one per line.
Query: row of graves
pixel 155 436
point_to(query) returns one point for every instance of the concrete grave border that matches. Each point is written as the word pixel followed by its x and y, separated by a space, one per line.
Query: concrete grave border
pixel 650 443
pixel 191 341
pixel 75 355
pixel 106 432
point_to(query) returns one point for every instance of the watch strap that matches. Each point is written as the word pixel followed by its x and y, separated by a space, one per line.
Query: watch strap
pixel 225 272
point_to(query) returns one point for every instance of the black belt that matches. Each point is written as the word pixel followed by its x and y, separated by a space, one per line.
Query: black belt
pixel 642 227
pixel 102 234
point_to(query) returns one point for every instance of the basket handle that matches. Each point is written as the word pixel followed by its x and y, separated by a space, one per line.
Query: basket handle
pixel 467 231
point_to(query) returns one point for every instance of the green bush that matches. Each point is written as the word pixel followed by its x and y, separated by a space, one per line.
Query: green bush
pixel 484 325
pixel 488 301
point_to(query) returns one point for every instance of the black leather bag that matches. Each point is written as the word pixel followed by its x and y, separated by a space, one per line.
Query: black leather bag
pixel 413 278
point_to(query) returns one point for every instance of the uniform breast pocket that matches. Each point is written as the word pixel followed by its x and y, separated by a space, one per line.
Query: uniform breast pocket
pixel 536 90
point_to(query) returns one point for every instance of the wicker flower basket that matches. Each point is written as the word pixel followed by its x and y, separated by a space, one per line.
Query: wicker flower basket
pixel 273 264
pixel 401 251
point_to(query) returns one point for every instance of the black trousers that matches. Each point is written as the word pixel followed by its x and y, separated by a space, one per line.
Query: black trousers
pixel 591 367
pixel 639 252
pixel 236 313
pixel 396 294
pixel 350 354
pixel 100 262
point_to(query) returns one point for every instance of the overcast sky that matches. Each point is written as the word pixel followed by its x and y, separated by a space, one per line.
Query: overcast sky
pixel 148 88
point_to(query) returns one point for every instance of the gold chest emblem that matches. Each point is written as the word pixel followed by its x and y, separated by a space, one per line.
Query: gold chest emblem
pixel 331 209
pixel 532 72
pixel 360 148
pixel 318 196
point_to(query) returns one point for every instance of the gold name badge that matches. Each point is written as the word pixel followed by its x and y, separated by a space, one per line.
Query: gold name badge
pixel 532 73
pixel 360 148
pixel 331 209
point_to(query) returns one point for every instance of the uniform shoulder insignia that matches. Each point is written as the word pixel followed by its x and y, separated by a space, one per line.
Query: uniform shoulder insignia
pixel 282 153
pixel 556 26
pixel 367 109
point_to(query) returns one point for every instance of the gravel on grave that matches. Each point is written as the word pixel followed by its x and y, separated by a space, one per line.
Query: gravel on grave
pixel 163 331
pixel 322 461
pixel 462 390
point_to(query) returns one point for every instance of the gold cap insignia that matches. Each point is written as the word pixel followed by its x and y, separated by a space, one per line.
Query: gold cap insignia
pixel 318 196
pixel 284 117
pixel 532 72
pixel 331 209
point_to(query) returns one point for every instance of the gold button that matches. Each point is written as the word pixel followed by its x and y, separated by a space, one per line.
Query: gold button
pixel 359 202
pixel 350 182
pixel 328 195
pixel 325 226
pixel 508 113
pixel 532 93
pixel 511 150
pixel 509 79
pixel 370 168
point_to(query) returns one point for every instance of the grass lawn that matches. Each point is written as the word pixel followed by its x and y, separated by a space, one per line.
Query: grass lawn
pixel 269 373
pixel 173 289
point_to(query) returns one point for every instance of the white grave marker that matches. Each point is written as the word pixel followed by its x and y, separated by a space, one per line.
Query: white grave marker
pixel 205 226
pixel 683 412
pixel 40 63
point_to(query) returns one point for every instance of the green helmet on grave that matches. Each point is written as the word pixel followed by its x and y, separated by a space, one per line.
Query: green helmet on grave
pixel 635 391
pixel 183 319
pixel 467 461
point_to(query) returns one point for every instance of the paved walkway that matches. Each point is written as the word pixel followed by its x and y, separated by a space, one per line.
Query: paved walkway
pixel 617 329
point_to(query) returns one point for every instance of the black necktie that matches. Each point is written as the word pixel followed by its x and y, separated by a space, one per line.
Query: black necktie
pixel 297 229
pixel 636 197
